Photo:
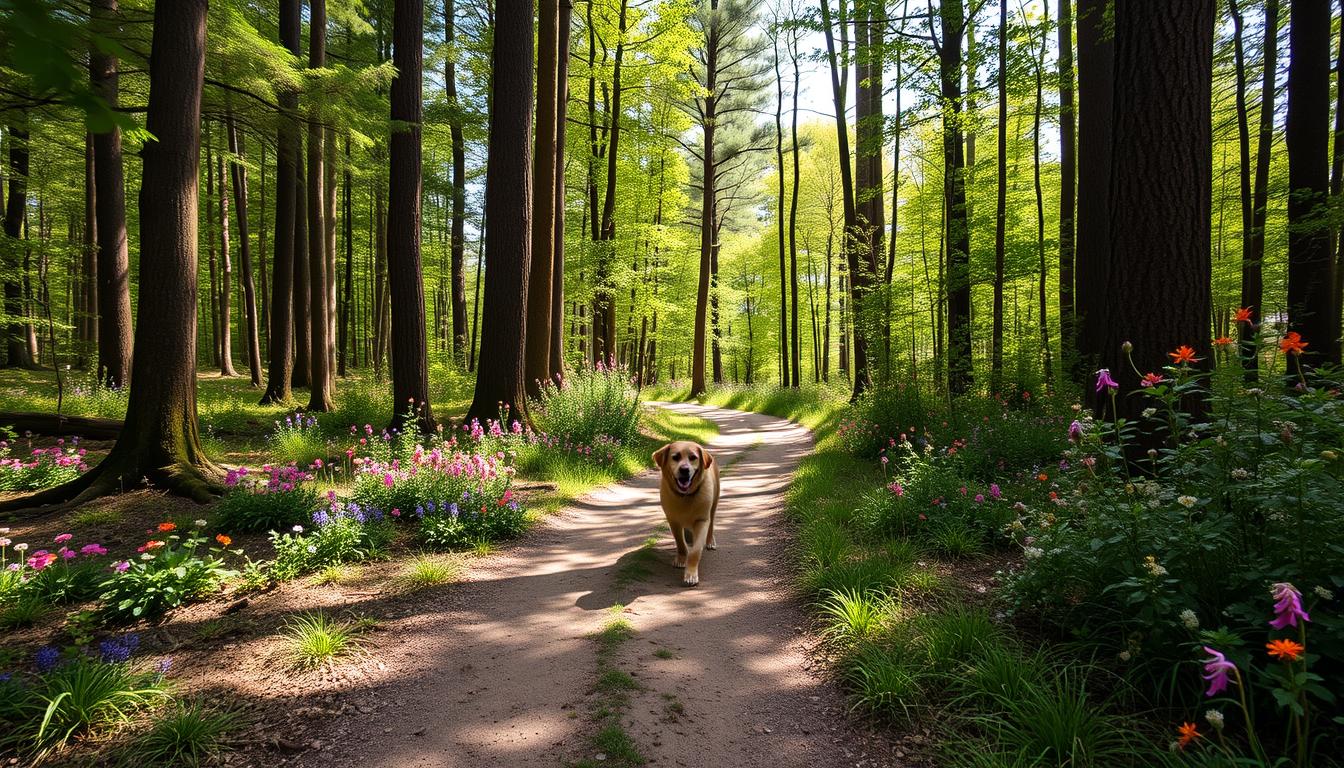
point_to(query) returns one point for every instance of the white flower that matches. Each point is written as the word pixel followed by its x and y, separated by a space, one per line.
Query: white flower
pixel 1240 474
pixel 1154 568
pixel 200 523
pixel 1149 412
pixel 21 547
pixel 1215 718
pixel 1324 593
pixel 298 529
pixel 1189 619
pixel 1187 501
pixel 1031 553
pixel 312 549
pixel 5 542
pixel 1125 656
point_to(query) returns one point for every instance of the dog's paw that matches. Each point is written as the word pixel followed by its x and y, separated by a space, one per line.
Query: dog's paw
pixel 712 544
pixel 690 578
pixel 679 561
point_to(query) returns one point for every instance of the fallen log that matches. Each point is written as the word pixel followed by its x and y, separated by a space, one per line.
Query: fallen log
pixel 59 425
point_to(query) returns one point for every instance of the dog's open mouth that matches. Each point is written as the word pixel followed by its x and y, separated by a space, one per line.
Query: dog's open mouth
pixel 684 486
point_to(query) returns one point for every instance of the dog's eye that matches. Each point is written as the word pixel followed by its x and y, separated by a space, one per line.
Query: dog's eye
pixel 694 457
pixel 676 457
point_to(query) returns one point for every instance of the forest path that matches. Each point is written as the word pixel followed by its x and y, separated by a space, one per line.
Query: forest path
pixel 500 669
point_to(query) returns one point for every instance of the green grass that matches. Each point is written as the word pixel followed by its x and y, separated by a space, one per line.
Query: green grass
pixel 188 733
pixel 612 689
pixel 24 611
pixel 851 616
pixel 92 517
pixel 637 565
pixel 315 639
pixel 336 574
pixel 665 653
pixel 426 571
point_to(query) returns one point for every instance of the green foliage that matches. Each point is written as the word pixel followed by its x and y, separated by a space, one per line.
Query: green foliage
pixel 47 709
pixel 42 467
pixel 459 526
pixel 168 573
pixel 298 440
pixel 285 498
pixel 851 616
pixel 590 405
pixel 429 571
pixel 188 733
pixel 338 539
pixel 316 639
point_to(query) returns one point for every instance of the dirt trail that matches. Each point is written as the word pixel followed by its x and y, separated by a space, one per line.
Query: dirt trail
pixel 498 670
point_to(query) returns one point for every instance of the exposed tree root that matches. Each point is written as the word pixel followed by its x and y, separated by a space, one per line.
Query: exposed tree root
pixel 201 484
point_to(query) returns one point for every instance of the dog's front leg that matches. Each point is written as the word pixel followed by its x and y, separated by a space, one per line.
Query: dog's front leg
pixel 678 535
pixel 691 576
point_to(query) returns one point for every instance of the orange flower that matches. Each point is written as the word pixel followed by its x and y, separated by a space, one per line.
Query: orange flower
pixel 223 540
pixel 1189 732
pixel 1042 477
pixel 166 527
pixel 1183 355
pixel 1222 341
pixel 1285 649
pixel 1293 344
pixel 1244 315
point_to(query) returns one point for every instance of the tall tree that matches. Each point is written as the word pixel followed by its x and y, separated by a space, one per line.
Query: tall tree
pixel 281 336
pixel 225 275
pixel 160 439
pixel 16 209
pixel 238 174
pixel 868 134
pixel 410 368
pixel 1001 209
pixel 957 226
pixel 1068 184
pixel 319 372
pixel 557 345
pixel 1307 136
pixel 114 290
pixel 1160 196
pixel 537 357
pixel 508 214
pixel 1096 86
pixel 457 272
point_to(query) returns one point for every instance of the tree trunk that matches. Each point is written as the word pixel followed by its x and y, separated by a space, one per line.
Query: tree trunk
pixel 159 440
pixel 302 274
pixel 793 220
pixel 868 132
pixel 960 372
pixel 409 366
pixel 1044 315
pixel 784 370
pixel 15 212
pixel 238 172
pixel 707 207
pixel 319 372
pixel 88 272
pixel 281 336
pixel 537 338
pixel 113 260
pixel 225 276
pixel 346 329
pixel 1096 86
pixel 456 261
pixel 557 345
pixel 1160 197
pixel 508 209
pixel 1001 208
pixel 1307 138
pixel 1245 329
pixel 1067 189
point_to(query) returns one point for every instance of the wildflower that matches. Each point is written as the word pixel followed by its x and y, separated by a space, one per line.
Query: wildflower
pixel 41 559
pixel 165 664
pixel 1189 620
pixel 1105 381
pixel 1187 501
pixel 1216 671
pixel 1183 355
pixel 21 547
pixel 1043 477
pixel 1292 344
pixel 122 566
pixel 1076 431
pixel 1215 718
pixel 1239 473
pixel 312 549
pixel 200 523
pixel 64 537
pixel 979 498
pixel 1150 380
pixel 1032 553
pixel 1148 413
pixel 47 658
pixel 223 540
pixel 167 527
pixel 1324 593
pixel 90 550
pixel 1288 608
pixel 896 488
pixel 1222 341
pixel 150 545
pixel 1285 649
pixel 1125 656
pixel 1189 732
pixel 114 650
pixel 1154 568
pixel 1243 315
pixel 298 529
pixel 5 542
pixel 995 491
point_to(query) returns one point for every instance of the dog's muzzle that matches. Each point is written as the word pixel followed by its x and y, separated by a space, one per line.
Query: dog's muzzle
pixel 683 479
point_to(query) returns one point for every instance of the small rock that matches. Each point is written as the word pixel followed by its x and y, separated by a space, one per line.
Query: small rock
pixel 600 756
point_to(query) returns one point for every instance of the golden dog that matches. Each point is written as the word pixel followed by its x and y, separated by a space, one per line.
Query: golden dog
pixel 689 490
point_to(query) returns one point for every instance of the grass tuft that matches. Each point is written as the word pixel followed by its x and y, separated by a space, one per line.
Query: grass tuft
pixel 427 571
pixel 187 734
pixel 315 639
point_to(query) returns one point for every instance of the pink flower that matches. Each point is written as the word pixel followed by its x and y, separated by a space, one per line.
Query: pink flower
pixel 122 567
pixel 41 559
pixel 1076 429
pixel 896 488
pixel 1104 380
pixel 387 479
pixel 1216 670
pixel 995 491
pixel 1288 609
pixel 979 498
pixel 90 550
pixel 64 537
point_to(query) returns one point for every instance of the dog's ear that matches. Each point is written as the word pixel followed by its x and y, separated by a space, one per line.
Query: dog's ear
pixel 706 457
pixel 660 455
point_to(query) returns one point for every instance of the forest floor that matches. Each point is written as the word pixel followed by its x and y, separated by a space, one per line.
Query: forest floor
pixel 580 646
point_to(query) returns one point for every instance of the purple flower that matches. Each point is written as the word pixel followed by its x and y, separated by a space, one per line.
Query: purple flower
pixel 1076 429
pixel 122 566
pixel 1288 609
pixel 1104 380
pixel 1216 670
pixel 995 491
pixel 47 658
pixel 114 650
pixel 165 664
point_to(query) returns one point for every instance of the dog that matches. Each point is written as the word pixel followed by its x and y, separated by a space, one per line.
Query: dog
pixel 689 491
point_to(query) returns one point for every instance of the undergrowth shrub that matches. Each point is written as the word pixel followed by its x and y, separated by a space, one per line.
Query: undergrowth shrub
pixel 169 572
pixel 41 467
pixel 281 497
pixel 591 402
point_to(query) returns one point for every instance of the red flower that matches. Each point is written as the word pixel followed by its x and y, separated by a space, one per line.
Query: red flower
pixel 167 527
pixel 1287 650
pixel 1151 380
pixel 1189 732
pixel 1293 344
pixel 1183 355
pixel 1244 315
pixel 1222 341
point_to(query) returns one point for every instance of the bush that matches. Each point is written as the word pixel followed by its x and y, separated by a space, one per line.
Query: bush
pixel 440 475
pixel 169 573
pixel 43 468
pixel 314 639
pixel 282 499
pixel 591 403
pixel 50 577
pixel 298 440
pixel 472 519
pixel 186 734
pixel 343 533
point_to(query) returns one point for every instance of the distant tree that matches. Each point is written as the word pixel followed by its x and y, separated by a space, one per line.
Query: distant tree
pixel 281 336
pixel 319 372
